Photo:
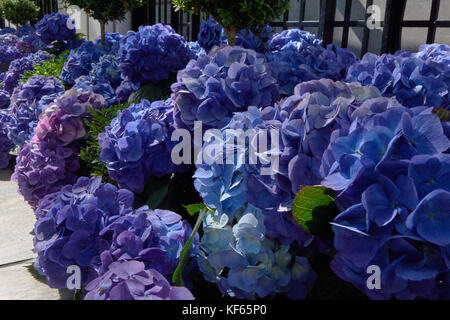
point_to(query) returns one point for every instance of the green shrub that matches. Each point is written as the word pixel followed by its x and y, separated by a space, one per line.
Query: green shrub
pixel 90 153
pixel 19 12
pixel 235 15
pixel 52 67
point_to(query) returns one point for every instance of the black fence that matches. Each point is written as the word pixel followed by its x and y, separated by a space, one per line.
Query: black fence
pixel 326 24
pixel 46 6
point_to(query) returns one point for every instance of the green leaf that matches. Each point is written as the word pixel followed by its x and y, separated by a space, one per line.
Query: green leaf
pixel 193 209
pixel 311 202
pixel 149 92
pixel 177 278
pixel 442 113
pixel 160 187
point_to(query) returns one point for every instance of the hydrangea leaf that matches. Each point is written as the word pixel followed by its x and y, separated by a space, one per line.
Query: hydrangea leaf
pixel 442 113
pixel 149 92
pixel 160 187
pixel 177 278
pixel 308 203
pixel 193 209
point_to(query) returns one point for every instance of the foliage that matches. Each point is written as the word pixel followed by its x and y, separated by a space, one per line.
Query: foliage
pixel 90 154
pixel 19 12
pixel 237 15
pixel 49 68
pixel 106 10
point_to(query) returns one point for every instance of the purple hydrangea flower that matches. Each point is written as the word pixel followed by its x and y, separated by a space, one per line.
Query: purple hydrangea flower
pixel 79 62
pixel 130 280
pixel 125 90
pixel 67 231
pixel 51 159
pixel 5 99
pixel 152 54
pixel 211 34
pixel 227 80
pixel 414 80
pixel 137 145
pixel 98 85
pixel 5 143
pixel 26 107
pixel 55 27
pixel 112 43
pixel 107 69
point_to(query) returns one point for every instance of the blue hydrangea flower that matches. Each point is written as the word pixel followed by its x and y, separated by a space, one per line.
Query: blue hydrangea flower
pixel 227 80
pixel 107 69
pixel 155 238
pixel 257 40
pixel 296 56
pixel 7 30
pixel 67 231
pixel 28 101
pixel 414 79
pixel 125 90
pixel 112 45
pixel 19 66
pixel 5 99
pixel 98 85
pixel 79 62
pixel 152 54
pixel 5 143
pixel 137 145
pixel 9 53
pixel 55 27
pixel 25 30
pixel 211 34
pixel 51 159
pixel 389 170
pixel 257 266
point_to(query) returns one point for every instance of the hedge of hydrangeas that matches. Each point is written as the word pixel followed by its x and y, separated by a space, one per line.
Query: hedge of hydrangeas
pixel 374 133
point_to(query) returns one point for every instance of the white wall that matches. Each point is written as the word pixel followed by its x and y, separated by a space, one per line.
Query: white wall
pixel 91 27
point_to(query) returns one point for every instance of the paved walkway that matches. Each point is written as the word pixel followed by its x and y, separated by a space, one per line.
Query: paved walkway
pixel 16 245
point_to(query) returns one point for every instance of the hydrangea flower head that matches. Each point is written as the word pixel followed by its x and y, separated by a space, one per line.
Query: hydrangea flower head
pixel 55 27
pixel 98 85
pixel 67 231
pixel 227 80
pixel 137 145
pixel 79 62
pixel 211 34
pixel 107 69
pixel 51 159
pixel 5 143
pixel 152 54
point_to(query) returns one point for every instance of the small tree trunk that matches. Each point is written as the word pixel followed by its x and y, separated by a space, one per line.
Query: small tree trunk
pixel 102 31
pixel 231 35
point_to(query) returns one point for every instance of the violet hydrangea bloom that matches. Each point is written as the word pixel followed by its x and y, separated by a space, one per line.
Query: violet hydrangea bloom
pixel 5 99
pixel 79 62
pixel 154 237
pixel 211 34
pixel 25 30
pixel 137 145
pixel 98 85
pixel 26 107
pixel 389 171
pixel 227 80
pixel 125 90
pixel 9 53
pixel 67 231
pixel 107 69
pixel 9 39
pixel 19 66
pixel 130 280
pixel 112 45
pixel 55 27
pixel 5 143
pixel 152 54
pixel 296 56
pixel 30 43
pixel 414 80
pixel 51 159
pixel 257 40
